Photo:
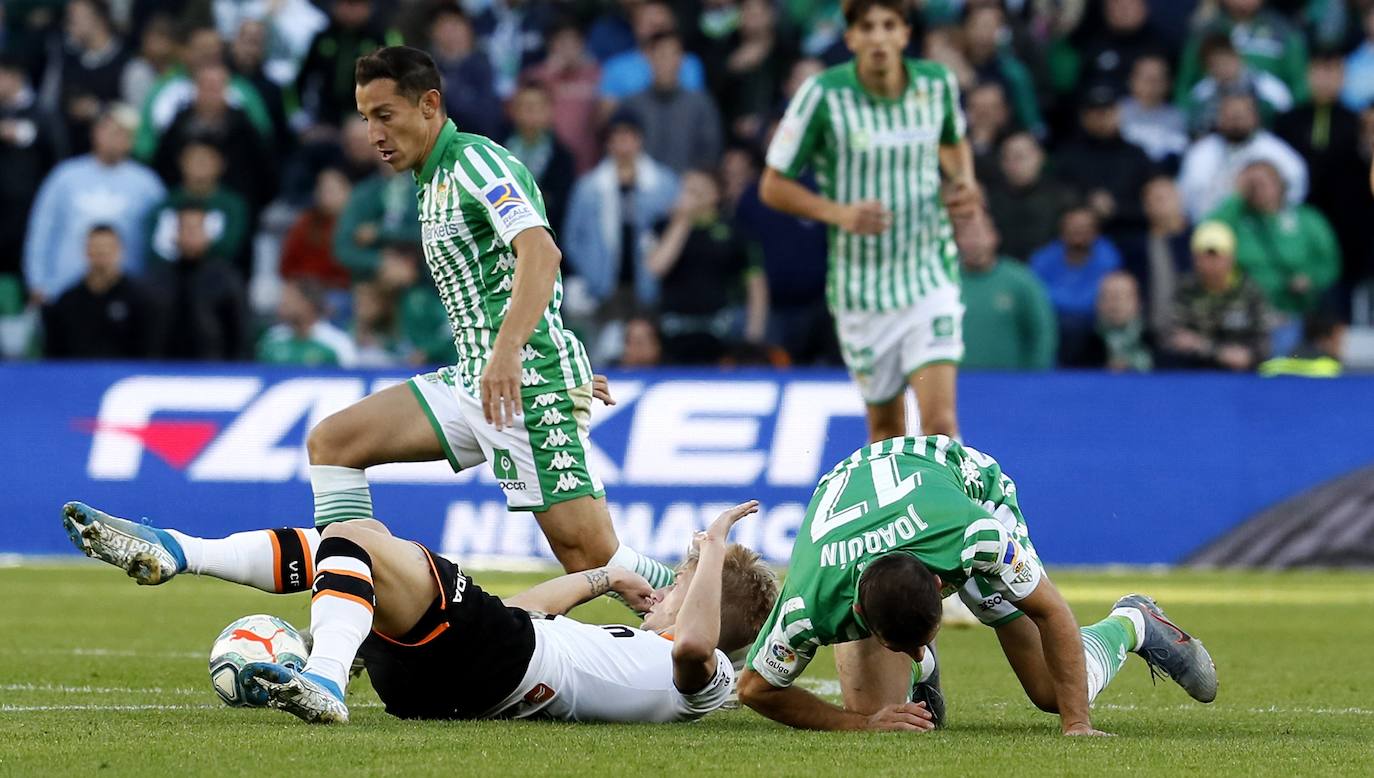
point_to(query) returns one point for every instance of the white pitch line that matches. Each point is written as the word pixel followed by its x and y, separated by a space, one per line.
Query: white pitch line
pixel 112 652
pixel 64 689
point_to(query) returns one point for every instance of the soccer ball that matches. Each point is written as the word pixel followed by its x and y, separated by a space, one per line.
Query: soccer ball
pixel 258 638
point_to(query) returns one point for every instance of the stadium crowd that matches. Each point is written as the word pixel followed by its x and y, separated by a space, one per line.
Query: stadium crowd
pixel 1171 183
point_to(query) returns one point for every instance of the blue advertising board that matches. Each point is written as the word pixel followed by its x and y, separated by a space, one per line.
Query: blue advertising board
pixel 1111 469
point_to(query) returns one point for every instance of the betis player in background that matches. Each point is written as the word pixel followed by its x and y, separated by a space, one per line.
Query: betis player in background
pixel 892 529
pixel 519 396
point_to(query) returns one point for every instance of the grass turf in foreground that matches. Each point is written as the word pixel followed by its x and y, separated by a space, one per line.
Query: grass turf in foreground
pixel 98 675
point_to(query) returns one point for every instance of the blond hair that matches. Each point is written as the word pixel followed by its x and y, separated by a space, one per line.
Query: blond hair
pixel 748 589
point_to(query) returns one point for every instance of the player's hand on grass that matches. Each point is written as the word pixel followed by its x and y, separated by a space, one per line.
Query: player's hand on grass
pixel 637 593
pixel 866 217
pixel 501 388
pixel 601 389
pixel 907 717
pixel 1084 729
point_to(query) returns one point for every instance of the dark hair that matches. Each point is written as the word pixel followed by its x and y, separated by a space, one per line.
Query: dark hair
pixel 664 36
pixel 102 12
pixel 101 228
pixel 1319 325
pixel 412 69
pixel 899 600
pixel 1325 55
pixel 1214 43
pixel 448 9
pixel 854 10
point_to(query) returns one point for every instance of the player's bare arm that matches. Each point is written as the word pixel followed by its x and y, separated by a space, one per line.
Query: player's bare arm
pixel 536 270
pixel 562 594
pixel 697 631
pixel 799 708
pixel 1063 647
pixel 961 194
pixel 864 217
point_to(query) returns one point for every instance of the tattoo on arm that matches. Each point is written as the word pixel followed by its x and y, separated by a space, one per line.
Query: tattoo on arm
pixel 599 582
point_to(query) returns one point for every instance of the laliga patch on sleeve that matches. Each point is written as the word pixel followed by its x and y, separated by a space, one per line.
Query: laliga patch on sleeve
pixel 508 203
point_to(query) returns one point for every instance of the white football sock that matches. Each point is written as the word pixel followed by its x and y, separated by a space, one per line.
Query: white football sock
pixel 342 608
pixel 275 560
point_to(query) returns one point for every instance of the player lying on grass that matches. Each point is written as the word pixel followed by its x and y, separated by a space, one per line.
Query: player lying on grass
pixel 437 646
pixel 889 531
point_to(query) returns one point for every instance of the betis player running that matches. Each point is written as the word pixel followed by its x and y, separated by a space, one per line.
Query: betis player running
pixel 518 397
pixel 889 531
pixel 879 131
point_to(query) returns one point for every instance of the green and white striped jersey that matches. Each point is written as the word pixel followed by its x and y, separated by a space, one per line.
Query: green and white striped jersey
pixel 864 147
pixel 948 505
pixel 475 197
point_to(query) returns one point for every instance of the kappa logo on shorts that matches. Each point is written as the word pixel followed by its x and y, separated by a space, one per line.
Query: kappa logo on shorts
pixel 504 263
pixel 555 439
pixel 552 416
pixel 531 377
pixel 567 482
pixel 527 353
pixel 546 399
pixel 562 461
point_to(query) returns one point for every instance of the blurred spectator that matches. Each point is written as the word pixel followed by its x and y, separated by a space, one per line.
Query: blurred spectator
pixel 1227 74
pixel 643 347
pixel 248 55
pixel 103 187
pixel 177 90
pixel 1160 257
pixel 1289 250
pixel 1147 118
pixel 206 317
pixel 1109 57
pixel 739 168
pixel 611 217
pixel 709 277
pixel 226 213
pixel 1210 166
pixel 1106 170
pixel 1219 316
pixel 376 332
pixel 1120 340
pixel 1072 268
pixel 1263 37
pixel 105 315
pixel 1009 323
pixel 749 80
pixel 531 113
pixel 30 144
pixel 629 73
pixel 1025 200
pixel 426 337
pixel 1327 135
pixel 302 336
pixel 612 32
pixel 681 127
pixel 91 67
pixel 210 119
pixel 380 208
pixel 571 77
pixel 324 85
pixel 469 82
pixel 1358 90
pixel 308 250
pixel 514 33
pixel 1319 356
pixel 794 263
pixel 992 61
pixel 157 55
pixel 989 122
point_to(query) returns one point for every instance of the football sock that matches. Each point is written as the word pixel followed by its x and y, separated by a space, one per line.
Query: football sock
pixel 273 560
pixel 341 609
pixel 1105 645
pixel 922 670
pixel 655 572
pixel 341 493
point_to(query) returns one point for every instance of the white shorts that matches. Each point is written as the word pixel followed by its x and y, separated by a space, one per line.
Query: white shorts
pixel 540 461
pixel 882 349
pixel 588 672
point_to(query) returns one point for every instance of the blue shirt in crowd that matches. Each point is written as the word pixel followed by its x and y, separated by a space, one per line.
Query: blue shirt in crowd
pixel 1073 288
pixel 629 74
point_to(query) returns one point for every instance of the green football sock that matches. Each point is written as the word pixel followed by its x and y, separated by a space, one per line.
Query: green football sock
pixel 341 493
pixel 1105 646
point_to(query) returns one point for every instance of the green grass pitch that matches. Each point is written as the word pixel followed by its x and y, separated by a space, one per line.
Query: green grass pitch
pixel 102 677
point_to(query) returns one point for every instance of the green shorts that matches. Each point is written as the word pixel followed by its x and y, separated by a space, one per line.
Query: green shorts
pixel 539 462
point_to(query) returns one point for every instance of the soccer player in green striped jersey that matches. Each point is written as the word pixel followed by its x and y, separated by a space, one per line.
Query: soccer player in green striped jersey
pixel 879 131
pixel 889 531
pixel 518 397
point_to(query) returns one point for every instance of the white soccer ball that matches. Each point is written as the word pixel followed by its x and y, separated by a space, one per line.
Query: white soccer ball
pixel 257 638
